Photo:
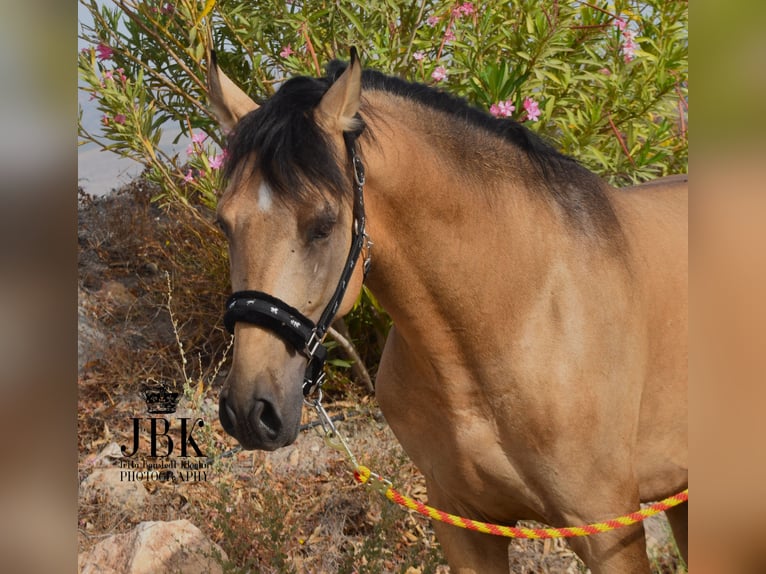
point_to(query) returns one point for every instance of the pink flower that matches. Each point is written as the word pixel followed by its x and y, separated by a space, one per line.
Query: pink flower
pixel 605 71
pixel 119 118
pixel 449 35
pixel 465 9
pixel 433 20
pixel 629 52
pixel 532 109
pixel 629 45
pixel 196 140
pixel 104 52
pixel 168 8
pixel 287 51
pixel 620 23
pixel 439 74
pixel 189 178
pixel 418 56
pixel 502 109
pixel 216 161
pixel 121 72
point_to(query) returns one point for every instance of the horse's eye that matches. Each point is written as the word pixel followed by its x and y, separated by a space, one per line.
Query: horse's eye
pixel 321 228
pixel 221 224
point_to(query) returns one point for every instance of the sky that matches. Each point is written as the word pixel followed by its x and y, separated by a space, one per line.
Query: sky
pixel 98 171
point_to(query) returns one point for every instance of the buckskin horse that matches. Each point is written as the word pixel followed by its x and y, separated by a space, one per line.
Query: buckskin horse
pixel 537 364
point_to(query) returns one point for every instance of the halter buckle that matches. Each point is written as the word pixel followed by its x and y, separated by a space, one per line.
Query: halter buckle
pixel 313 344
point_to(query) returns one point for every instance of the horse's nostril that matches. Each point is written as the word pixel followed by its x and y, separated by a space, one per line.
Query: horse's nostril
pixel 266 417
pixel 260 427
pixel 226 416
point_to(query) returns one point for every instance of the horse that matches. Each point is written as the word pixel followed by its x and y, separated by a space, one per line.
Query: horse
pixel 537 364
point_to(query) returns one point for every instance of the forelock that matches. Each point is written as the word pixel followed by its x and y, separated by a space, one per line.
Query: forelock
pixel 290 151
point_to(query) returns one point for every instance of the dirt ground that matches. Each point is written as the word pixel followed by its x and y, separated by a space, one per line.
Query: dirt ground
pixel 294 510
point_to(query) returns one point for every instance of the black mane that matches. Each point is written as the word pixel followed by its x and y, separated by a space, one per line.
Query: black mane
pixel 292 152
pixel 296 157
pixel 507 129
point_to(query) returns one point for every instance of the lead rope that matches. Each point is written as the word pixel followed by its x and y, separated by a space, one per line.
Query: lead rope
pixel 364 475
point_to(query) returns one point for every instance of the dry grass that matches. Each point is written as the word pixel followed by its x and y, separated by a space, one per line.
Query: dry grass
pixel 128 240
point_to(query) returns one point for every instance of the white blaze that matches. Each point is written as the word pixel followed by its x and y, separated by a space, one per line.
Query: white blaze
pixel 264 197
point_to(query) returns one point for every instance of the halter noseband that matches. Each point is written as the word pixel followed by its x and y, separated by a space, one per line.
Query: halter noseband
pixel 291 325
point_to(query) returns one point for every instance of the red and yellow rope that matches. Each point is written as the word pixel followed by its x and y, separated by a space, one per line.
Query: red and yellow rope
pixel 363 475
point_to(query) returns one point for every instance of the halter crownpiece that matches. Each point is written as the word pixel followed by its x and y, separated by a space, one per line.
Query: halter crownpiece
pixel 305 336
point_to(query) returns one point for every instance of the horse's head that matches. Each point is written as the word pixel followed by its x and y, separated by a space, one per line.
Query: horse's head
pixel 287 211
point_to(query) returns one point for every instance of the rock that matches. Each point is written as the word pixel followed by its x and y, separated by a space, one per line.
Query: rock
pixel 307 456
pixel 109 455
pixel 91 340
pixel 152 547
pixel 108 485
pixel 658 531
pixel 117 294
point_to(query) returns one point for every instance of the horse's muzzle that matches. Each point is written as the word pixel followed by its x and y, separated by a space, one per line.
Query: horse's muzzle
pixel 259 425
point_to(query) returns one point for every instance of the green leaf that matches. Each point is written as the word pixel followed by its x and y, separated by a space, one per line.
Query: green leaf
pixel 530 21
pixel 549 105
pixel 599 156
pixel 339 363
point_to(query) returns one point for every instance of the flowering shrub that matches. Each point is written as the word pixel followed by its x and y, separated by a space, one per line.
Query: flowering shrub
pixel 606 82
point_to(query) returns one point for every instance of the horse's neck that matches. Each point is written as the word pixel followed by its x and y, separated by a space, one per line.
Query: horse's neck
pixel 455 252
pixel 467 260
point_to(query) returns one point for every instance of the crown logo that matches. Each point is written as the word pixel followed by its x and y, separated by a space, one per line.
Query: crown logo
pixel 159 399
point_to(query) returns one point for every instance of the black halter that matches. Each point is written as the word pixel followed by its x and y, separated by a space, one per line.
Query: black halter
pixel 290 324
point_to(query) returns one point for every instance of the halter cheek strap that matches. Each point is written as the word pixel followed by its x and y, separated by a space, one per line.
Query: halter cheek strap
pixel 305 336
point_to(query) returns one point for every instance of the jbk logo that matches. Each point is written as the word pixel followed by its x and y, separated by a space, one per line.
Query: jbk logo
pixel 161 400
pixel 160 438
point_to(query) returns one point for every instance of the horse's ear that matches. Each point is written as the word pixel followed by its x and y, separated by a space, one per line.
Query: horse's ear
pixel 228 101
pixel 340 104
